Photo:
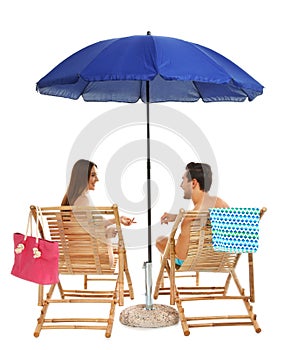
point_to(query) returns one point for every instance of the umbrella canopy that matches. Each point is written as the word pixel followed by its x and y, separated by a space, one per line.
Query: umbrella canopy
pixel 177 70
pixel 151 69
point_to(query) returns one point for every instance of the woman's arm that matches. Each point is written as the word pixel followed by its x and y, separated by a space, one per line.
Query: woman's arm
pixel 123 220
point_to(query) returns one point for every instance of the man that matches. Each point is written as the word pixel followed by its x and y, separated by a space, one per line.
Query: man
pixel 196 183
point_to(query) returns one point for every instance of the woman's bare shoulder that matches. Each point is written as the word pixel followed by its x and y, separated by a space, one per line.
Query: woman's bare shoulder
pixel 82 201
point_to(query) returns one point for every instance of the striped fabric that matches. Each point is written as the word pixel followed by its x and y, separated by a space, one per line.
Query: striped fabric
pixel 235 229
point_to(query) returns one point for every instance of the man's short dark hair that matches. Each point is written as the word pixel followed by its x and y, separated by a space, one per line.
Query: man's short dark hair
pixel 202 172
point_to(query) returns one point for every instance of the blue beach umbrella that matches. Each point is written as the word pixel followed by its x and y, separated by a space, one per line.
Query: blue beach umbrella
pixel 151 69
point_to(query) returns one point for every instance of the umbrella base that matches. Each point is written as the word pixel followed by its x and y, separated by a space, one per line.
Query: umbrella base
pixel 158 316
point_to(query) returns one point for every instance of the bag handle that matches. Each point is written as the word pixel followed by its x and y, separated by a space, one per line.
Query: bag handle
pixel 29 230
pixel 29 226
pixel 40 219
pixel 21 246
pixel 36 251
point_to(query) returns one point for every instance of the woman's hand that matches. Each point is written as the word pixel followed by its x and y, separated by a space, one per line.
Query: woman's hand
pixel 111 232
pixel 127 221
pixel 167 217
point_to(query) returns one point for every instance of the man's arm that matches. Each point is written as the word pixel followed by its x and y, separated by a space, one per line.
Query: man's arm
pixel 182 243
pixel 167 217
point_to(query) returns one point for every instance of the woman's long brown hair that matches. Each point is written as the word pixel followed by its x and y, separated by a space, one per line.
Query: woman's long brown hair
pixel 78 181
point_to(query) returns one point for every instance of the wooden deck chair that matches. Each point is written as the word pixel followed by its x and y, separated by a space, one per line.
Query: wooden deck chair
pixel 203 259
pixel 84 250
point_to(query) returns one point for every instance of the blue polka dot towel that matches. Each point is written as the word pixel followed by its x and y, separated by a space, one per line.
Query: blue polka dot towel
pixel 235 229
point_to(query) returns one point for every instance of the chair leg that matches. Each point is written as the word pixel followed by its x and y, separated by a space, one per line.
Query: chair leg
pixel 182 317
pixel 40 294
pixel 129 280
pixel 110 320
pixel 197 279
pixel 171 273
pixel 121 276
pixel 163 278
pixel 160 278
pixel 247 304
pixel 251 277
pixel 45 304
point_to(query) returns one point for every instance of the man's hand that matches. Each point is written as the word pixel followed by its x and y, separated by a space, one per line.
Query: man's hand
pixel 167 217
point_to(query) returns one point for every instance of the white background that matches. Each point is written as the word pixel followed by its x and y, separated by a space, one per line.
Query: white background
pixel 37 133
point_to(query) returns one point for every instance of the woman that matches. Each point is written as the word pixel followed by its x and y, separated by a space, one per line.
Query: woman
pixel 83 179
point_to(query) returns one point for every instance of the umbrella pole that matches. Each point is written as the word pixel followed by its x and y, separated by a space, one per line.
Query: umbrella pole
pixel 148 315
pixel 148 169
pixel 148 176
pixel 148 264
